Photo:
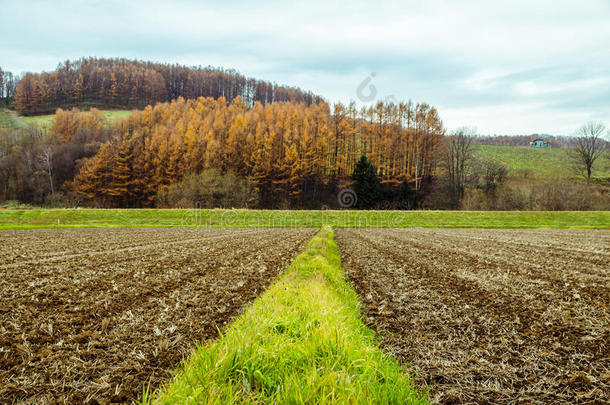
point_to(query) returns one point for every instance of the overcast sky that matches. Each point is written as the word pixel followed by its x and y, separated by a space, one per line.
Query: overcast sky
pixel 502 66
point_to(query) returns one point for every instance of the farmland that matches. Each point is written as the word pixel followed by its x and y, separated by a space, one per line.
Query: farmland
pixel 499 316
pixel 94 315
pixel 470 315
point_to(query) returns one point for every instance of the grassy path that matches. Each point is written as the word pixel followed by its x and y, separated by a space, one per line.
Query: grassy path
pixel 302 341
pixel 8 119
pixel 74 218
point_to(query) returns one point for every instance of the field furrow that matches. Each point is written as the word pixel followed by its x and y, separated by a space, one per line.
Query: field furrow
pixel 480 319
pixel 94 327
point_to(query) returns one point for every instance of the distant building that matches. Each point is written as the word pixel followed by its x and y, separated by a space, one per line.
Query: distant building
pixel 539 143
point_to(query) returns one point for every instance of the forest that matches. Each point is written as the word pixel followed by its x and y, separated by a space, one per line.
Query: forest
pixel 122 83
pixel 294 154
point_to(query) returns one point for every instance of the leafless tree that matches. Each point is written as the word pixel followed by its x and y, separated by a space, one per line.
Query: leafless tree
pixel 588 147
pixel 47 161
pixel 457 155
pixel 1 83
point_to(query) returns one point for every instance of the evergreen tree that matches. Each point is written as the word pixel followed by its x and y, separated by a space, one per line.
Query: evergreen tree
pixel 366 183
pixel 407 198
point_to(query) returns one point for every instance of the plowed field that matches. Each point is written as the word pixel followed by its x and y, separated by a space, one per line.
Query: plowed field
pixel 90 315
pixel 500 316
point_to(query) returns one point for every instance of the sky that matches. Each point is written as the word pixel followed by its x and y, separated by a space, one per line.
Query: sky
pixel 502 66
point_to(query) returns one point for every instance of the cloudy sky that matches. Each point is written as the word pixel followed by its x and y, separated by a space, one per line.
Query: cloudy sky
pixel 502 66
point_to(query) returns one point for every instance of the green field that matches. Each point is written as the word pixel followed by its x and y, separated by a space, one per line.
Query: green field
pixel 302 341
pixel 57 218
pixel 45 121
pixel 538 163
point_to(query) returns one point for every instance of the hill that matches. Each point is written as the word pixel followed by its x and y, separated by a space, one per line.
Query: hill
pixel 122 83
pixel 537 163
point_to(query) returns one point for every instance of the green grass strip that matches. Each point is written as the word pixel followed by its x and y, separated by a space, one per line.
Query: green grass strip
pixel 301 342
pixel 225 218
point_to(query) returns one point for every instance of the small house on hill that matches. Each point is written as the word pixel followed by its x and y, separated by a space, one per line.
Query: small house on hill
pixel 539 143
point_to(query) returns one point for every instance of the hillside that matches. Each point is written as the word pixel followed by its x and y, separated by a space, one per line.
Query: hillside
pixel 537 163
pixel 45 121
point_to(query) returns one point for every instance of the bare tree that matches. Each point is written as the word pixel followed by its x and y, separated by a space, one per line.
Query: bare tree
pixel 588 147
pixel 47 161
pixel 456 158
pixel 1 83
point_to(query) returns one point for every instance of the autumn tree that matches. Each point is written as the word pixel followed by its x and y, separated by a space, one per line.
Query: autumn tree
pixel 95 180
pixel 23 95
pixel 122 182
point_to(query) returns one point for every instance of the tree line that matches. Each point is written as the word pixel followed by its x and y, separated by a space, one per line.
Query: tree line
pixel 123 83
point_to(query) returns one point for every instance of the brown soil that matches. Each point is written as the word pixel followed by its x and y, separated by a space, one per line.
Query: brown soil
pixel 490 316
pixel 91 315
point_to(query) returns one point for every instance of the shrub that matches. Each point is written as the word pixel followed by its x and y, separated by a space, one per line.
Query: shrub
pixel 559 195
pixel 512 198
pixel 209 189
pixel 475 200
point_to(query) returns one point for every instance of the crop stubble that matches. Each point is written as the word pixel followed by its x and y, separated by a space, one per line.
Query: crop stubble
pixel 91 315
pixel 503 316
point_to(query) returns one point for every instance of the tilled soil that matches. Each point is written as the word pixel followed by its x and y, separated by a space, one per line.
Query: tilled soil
pixel 490 316
pixel 91 315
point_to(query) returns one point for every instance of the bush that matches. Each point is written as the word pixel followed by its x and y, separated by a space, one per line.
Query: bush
pixel 511 198
pixel 62 199
pixel 550 195
pixel 475 200
pixel 209 189
pixel 562 196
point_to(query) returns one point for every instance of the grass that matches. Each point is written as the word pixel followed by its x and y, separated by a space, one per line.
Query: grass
pixel 42 121
pixel 8 121
pixel 45 121
pixel 74 218
pixel 537 163
pixel 302 341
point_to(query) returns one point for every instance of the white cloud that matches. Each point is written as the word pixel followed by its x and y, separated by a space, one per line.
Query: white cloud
pixel 476 60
